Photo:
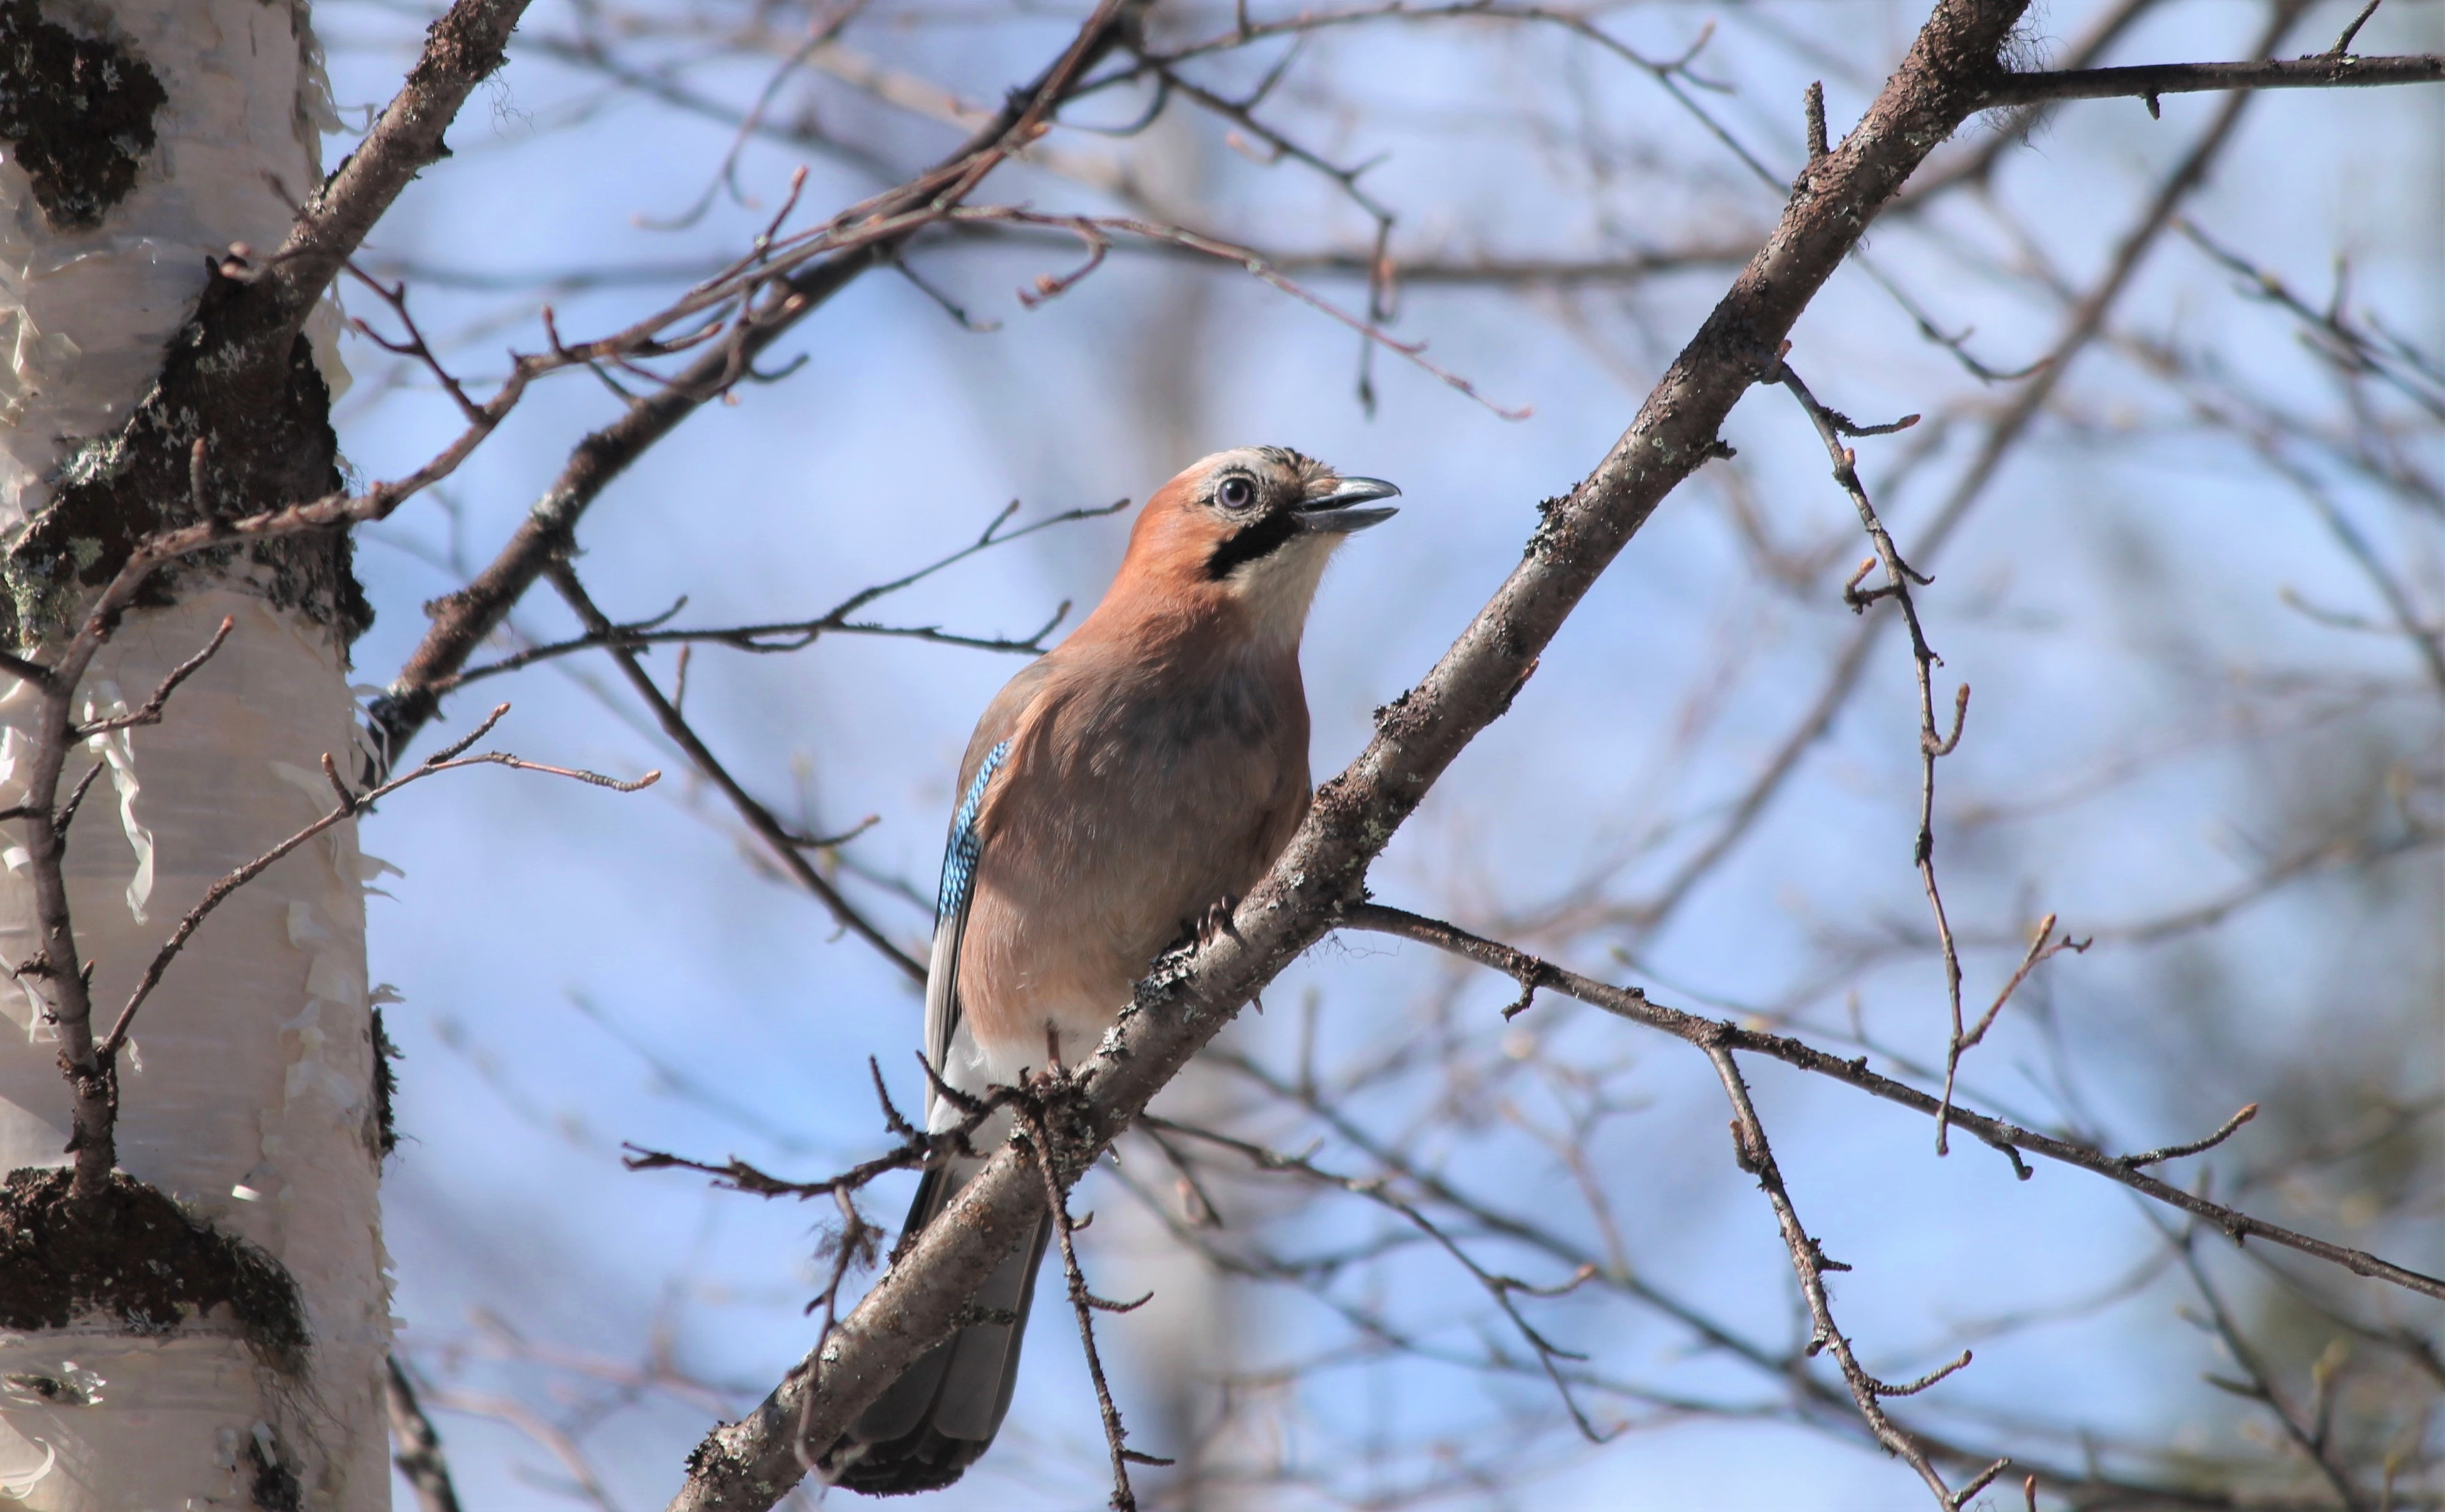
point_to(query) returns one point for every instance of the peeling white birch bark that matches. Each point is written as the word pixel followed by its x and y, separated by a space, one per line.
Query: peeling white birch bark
pixel 246 1094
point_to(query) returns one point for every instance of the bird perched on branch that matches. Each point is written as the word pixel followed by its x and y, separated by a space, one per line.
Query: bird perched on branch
pixel 1145 771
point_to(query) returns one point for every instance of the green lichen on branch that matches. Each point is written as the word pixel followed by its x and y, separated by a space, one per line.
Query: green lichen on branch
pixel 78 111
pixel 134 1256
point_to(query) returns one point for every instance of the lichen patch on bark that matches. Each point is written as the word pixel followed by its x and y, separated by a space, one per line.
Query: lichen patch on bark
pixel 78 111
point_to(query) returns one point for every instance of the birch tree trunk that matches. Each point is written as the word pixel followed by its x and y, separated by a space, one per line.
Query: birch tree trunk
pixel 211 1331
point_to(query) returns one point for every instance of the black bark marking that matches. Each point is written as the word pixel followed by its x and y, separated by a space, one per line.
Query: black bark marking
pixel 135 1257
pixel 78 111
pixel 267 442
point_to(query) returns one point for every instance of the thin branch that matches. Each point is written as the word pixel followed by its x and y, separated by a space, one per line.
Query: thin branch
pixel 2224 1132
pixel 2040 950
pixel 1899 577
pixel 1752 1153
pixel 350 803
pixel 2007 1138
pixel 2344 43
pixel 790 635
pixel 416 1449
pixel 2085 320
pixel 785 845
pixel 1038 1120
pixel 2147 80
pixel 150 713
pixel 461 48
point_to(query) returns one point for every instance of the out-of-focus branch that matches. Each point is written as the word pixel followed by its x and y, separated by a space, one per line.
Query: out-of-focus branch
pixel 1440 270
pixel 2309 1432
pixel 1188 998
pixel 1551 1359
pixel 415 1448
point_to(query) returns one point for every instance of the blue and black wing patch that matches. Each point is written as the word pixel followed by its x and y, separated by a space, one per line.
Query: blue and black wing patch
pixel 960 856
pixel 951 902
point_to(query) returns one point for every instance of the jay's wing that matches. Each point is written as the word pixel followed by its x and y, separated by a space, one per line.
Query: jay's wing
pixel 958 889
pixel 987 762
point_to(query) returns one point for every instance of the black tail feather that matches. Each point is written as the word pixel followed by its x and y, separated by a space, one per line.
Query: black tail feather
pixel 934 1422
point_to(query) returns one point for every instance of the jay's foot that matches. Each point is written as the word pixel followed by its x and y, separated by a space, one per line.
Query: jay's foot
pixel 1216 921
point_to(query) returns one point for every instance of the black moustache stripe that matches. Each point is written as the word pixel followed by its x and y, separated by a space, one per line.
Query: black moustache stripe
pixel 1259 538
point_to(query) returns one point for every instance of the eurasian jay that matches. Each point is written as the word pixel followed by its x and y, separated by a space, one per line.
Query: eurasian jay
pixel 1150 766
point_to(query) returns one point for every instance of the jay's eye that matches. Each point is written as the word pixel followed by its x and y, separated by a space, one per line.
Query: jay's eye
pixel 1236 493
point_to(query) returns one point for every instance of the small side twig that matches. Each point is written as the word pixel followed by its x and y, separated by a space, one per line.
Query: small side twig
pixel 2344 43
pixel 416 1449
pixel 1036 1120
pixel 2040 951
pixel 1832 426
pixel 150 712
pixel 2224 1132
pixel 1751 1152
pixel 350 802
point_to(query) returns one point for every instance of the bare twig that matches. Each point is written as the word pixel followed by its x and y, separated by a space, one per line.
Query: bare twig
pixel 350 803
pixel 2085 320
pixel 1809 1263
pixel 790 635
pixel 416 1449
pixel 2320 71
pixel 462 46
pixel 786 847
pixel 2344 43
pixel 150 712
pixel 2224 1132
pixel 1036 1119
pixel 2005 1137
pixel 1899 577
pixel 2041 948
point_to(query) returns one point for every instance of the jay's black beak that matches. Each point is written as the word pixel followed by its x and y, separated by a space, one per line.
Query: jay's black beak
pixel 1332 511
